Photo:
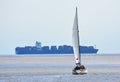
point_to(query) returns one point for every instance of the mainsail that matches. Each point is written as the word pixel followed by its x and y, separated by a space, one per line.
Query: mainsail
pixel 76 47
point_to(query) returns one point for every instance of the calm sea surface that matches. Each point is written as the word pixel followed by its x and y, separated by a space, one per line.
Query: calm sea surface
pixel 57 68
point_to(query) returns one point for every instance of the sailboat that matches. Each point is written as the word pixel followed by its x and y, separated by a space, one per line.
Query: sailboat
pixel 79 68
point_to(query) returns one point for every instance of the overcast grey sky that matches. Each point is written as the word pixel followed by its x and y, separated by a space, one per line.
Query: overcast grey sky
pixel 22 22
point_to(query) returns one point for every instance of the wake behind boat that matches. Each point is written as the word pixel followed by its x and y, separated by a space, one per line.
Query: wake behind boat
pixel 79 69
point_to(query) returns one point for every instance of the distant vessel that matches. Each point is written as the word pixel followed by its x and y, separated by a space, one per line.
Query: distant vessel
pixel 79 69
pixel 62 49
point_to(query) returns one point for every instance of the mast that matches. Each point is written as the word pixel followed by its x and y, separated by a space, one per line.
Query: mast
pixel 76 42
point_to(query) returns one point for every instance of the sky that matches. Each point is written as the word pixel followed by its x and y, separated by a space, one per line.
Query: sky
pixel 22 22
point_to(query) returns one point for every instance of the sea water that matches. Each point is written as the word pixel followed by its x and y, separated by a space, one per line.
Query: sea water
pixel 95 77
pixel 58 68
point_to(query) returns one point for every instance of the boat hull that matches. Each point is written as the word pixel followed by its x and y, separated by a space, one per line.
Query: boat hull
pixel 79 70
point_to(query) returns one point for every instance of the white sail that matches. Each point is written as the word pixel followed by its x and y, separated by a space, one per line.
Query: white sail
pixel 76 40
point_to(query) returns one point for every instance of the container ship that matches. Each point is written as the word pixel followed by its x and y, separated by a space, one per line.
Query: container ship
pixel 62 49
